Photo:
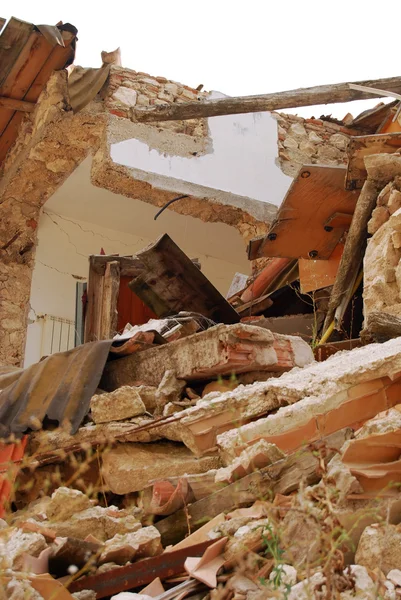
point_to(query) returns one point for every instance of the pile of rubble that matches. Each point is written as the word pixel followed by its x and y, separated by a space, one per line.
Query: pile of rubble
pixel 225 449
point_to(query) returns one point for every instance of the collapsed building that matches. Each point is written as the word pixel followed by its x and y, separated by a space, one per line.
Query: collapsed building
pixel 200 335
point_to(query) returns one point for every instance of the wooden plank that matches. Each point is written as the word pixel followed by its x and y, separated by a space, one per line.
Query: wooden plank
pixel 380 327
pixel 109 315
pixel 12 40
pixel 299 230
pixel 94 293
pixel 283 477
pixel 57 59
pixel 317 274
pixel 361 146
pixel 12 104
pixel 172 283
pixel 254 307
pixel 23 73
pixel 322 94
pixel 130 266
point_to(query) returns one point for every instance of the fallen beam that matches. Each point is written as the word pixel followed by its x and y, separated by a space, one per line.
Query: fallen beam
pixel 20 105
pixel 283 477
pixel 322 94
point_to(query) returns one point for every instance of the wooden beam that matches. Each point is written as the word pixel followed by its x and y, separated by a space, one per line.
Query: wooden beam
pixel 13 104
pixel 322 94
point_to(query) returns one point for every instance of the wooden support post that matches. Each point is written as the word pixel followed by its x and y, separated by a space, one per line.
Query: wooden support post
pixel 322 94
pixel 111 286
pixel 354 247
pixel 13 104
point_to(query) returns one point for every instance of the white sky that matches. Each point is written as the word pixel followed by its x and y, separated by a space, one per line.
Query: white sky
pixel 235 46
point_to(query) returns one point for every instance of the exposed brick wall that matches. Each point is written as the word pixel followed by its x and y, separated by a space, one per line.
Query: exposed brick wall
pixel 310 141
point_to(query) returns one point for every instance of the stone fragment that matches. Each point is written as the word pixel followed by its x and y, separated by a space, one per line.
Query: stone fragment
pixel 395 577
pixel 298 130
pixel 384 194
pixel 305 590
pixel 123 403
pixel 169 390
pixel 148 396
pixel 380 295
pixel 394 201
pixel 314 138
pixel 380 546
pixel 102 523
pixel 131 467
pixel 255 457
pixel 339 140
pixel 301 535
pixel 308 148
pixel 142 100
pixel 172 88
pixel 84 595
pixel 124 548
pixel 380 215
pixel 250 537
pixel 126 96
pixel 288 576
pixel 66 502
pixel 20 589
pixel 329 154
pixel 289 142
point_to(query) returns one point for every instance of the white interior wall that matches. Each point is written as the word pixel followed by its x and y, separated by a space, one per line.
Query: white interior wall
pixel 242 159
pixel 66 238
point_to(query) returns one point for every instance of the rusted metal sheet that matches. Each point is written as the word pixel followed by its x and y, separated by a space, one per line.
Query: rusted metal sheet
pixel 59 387
pixel 172 283
pixel 303 228
pixel 138 574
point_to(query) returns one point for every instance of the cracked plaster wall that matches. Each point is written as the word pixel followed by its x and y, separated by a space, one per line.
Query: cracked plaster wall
pixel 64 244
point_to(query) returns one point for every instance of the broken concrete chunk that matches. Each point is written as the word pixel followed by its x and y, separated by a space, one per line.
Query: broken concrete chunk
pixel 221 350
pixel 255 457
pixel 395 577
pixel 15 543
pixel 131 467
pixel 301 536
pixel 102 523
pixel 380 547
pixel 250 537
pixel 20 589
pixel 121 404
pixel 379 216
pixel 381 293
pixel 66 502
pixel 344 391
pixel 148 396
pixel 169 390
pixel 394 201
pixel 124 548
pixel 85 595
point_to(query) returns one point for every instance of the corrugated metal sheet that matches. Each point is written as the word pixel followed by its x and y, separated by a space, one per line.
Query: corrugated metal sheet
pixel 28 56
pixel 59 387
